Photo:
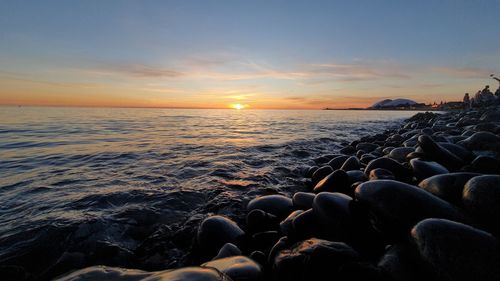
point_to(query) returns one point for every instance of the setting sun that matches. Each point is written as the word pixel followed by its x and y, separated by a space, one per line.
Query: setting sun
pixel 238 106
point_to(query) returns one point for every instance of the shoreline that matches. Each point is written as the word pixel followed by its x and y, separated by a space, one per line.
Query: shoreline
pixel 348 212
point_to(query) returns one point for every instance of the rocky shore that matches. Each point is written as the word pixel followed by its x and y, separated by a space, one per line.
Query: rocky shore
pixel 420 202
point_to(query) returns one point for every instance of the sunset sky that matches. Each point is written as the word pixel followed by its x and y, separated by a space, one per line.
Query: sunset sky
pixel 261 54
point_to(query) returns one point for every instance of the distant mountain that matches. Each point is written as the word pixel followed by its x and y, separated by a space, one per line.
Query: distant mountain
pixel 388 103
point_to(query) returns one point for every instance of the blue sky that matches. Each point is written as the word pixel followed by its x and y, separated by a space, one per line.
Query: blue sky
pixel 264 54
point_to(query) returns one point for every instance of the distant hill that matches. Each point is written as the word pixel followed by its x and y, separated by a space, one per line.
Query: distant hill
pixel 388 103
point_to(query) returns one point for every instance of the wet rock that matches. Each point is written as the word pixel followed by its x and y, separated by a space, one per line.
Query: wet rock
pixel 440 154
pixel 282 244
pixel 286 226
pixel 238 268
pixel 259 257
pixel 320 174
pixel 352 163
pixel 397 206
pixel 486 165
pixel 403 263
pixel 481 197
pixel 311 171
pixel 114 273
pixel 303 200
pixel 332 210
pixel 338 181
pixel 257 220
pixel 366 146
pixel 400 172
pixel 448 187
pixel 277 205
pixel 263 241
pixel 425 169
pixel 337 162
pixel 312 259
pixel 458 150
pixel 491 116
pixel 381 174
pixel 306 225
pixel 215 231
pixel 399 154
pixel 366 158
pixel 457 251
pixel 482 141
pixel 228 250
pixel 348 150
pixel 355 176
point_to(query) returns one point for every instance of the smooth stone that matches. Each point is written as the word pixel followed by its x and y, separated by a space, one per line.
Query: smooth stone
pixel 258 220
pixel 360 153
pixel 425 169
pixel 306 225
pixel 282 244
pixel 355 176
pixel 481 197
pixel 303 200
pixel 397 206
pixel 388 150
pixel 228 250
pixel 486 165
pixel 336 181
pixel 337 162
pixel 259 257
pixel 448 187
pixel 312 259
pixel 491 116
pixel 100 272
pixel 352 163
pixel 286 226
pixel 457 251
pixel 366 146
pixel 215 231
pixel 277 205
pixel 320 174
pixel 381 174
pixel 402 263
pixel 238 268
pixel 310 171
pixel 332 210
pixel 439 154
pixel 366 158
pixel 482 141
pixel 348 150
pixel 399 154
pixel 400 172
pixel 265 240
pixel 458 150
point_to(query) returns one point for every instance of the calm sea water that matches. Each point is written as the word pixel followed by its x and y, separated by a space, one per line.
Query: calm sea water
pixel 80 186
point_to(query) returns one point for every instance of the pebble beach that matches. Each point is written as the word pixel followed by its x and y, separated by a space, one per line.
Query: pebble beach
pixel 417 202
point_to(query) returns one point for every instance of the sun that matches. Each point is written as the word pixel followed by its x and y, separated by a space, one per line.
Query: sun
pixel 238 106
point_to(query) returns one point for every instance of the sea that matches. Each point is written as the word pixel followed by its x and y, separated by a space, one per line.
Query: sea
pixel 128 186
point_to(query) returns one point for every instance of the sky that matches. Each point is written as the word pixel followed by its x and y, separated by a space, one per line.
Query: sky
pixel 259 54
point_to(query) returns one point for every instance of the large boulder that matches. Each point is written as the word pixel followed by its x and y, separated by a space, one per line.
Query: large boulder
pixel 481 197
pixel 448 187
pixel 215 231
pixel 278 205
pixel 239 268
pixel 456 251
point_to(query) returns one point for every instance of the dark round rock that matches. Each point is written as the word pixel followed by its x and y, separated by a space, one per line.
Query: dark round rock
pixel 312 259
pixel 238 268
pixel 320 174
pixel 482 141
pixel 228 250
pixel 332 210
pixel 425 169
pixel 348 150
pixel 486 165
pixel 303 200
pixel 397 206
pixel 448 187
pixel 286 226
pixel 366 146
pixel 439 154
pixel 366 158
pixel 258 220
pixel 355 176
pixel 458 150
pixel 457 251
pixel 338 181
pixel 215 231
pixel 481 197
pixel 277 205
pixel 310 171
pixel 352 163
pixel 337 162
pixel 263 241
pixel 101 272
pixel 306 225
pixel 381 174
pixel 400 172
pixel 399 154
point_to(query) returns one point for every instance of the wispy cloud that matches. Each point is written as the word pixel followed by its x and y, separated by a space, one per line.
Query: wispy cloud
pixel 463 72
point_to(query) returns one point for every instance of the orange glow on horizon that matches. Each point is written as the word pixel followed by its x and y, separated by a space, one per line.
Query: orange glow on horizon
pixel 238 106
